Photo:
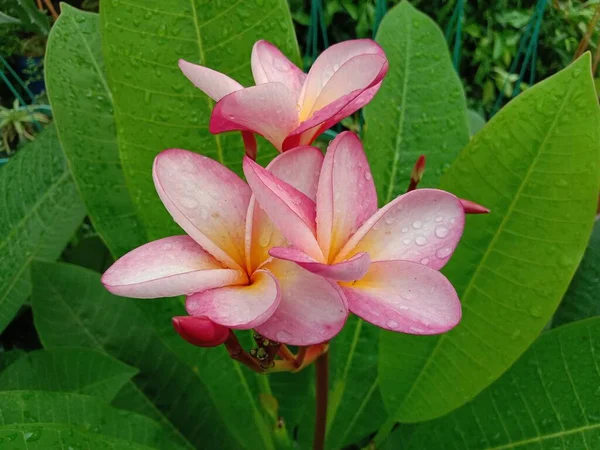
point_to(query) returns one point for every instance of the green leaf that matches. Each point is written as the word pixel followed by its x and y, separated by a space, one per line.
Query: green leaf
pixel 5 18
pixel 51 420
pixel 81 371
pixel 535 165
pixel 81 100
pixel 355 405
pixel 208 397
pixel 39 211
pixel 581 299
pixel 28 16
pixel 476 121
pixel 156 107
pixel 420 108
pixel 548 399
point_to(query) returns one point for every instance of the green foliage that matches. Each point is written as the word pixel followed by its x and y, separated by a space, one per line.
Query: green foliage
pixel 548 399
pixel 420 108
pixel 40 211
pixel 26 13
pixel 156 107
pixel 535 165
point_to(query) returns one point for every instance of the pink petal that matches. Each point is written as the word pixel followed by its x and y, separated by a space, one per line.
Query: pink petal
pixel 268 109
pixel 328 64
pixel 168 267
pixel 312 309
pixel 300 168
pixel 346 197
pixel 406 297
pixel 269 64
pixel 349 270
pixel 422 226
pixel 200 331
pixel 292 212
pixel 240 307
pixel 207 200
pixel 214 84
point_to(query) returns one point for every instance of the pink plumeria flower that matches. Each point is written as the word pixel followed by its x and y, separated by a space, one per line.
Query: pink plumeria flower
pixel 387 261
pixel 222 265
pixel 288 107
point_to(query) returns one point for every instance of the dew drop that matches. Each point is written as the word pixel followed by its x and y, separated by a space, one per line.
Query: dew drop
pixel 443 252
pixel 188 202
pixel 417 224
pixel 421 240
pixel 441 232
pixel 406 241
pixel 389 219
pixel 283 336
pixel 405 230
pixel 392 324
pixel 439 218
pixel 425 261
pixel 368 176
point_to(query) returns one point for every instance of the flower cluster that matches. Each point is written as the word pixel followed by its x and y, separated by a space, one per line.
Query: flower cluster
pixel 302 244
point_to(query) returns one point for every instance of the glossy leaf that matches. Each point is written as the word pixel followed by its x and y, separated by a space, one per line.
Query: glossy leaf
pixel 39 211
pixel 535 165
pixel 156 106
pixel 420 108
pixel 83 112
pixel 81 371
pixel 548 399
pixel 582 300
pixel 211 399
pixel 34 420
pixel 476 122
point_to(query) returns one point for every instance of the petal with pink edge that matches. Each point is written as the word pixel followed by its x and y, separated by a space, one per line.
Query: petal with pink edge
pixel 423 226
pixel 292 212
pixel 346 197
pixel 300 168
pixel 349 270
pixel 327 65
pixel 312 309
pixel 207 200
pixel 214 84
pixel 168 267
pixel 267 109
pixel 406 297
pixel 240 307
pixel 269 64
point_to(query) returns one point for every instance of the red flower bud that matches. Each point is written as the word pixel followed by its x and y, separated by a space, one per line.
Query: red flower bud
pixel 200 331
pixel 473 208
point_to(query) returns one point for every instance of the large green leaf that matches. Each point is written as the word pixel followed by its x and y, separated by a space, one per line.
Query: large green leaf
pixel 83 113
pixel 39 211
pixel 156 106
pixel 535 165
pixel 547 400
pixel 82 371
pixel 54 420
pixel 581 300
pixel 420 108
pixel 355 405
pixel 211 399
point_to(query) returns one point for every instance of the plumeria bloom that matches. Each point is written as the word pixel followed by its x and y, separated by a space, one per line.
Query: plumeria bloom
pixel 288 107
pixel 222 265
pixel 387 261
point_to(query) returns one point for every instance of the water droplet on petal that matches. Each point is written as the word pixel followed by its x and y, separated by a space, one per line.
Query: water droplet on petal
pixel 441 232
pixel 392 324
pixel 439 218
pixel 368 176
pixel 443 252
pixel 405 230
pixel 188 202
pixel 389 219
pixel 421 240
pixel 283 336
pixel 425 261
pixel 406 241
pixel 417 224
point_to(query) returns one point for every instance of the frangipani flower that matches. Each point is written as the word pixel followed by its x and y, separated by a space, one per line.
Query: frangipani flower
pixel 387 260
pixel 222 264
pixel 288 107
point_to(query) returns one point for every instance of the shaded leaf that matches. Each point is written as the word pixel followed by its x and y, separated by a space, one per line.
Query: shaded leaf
pixel 81 100
pixel 28 16
pixel 39 211
pixel 535 165
pixel 420 108
pixel 81 371
pixel 476 121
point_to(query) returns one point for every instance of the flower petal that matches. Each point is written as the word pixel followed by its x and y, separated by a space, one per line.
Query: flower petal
pixel 168 267
pixel 207 200
pixel 240 307
pixel 292 212
pixel 300 168
pixel 328 64
pixel 267 109
pixel 346 197
pixel 422 226
pixel 312 309
pixel 406 297
pixel 269 64
pixel 214 84
pixel 349 270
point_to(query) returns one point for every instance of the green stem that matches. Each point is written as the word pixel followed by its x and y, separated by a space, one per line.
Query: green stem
pixel 322 388
pixel 382 434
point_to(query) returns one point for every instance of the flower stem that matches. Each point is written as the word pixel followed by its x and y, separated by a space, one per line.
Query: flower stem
pixel 322 382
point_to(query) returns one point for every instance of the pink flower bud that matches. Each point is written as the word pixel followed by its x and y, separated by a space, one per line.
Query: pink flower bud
pixel 200 331
pixel 473 208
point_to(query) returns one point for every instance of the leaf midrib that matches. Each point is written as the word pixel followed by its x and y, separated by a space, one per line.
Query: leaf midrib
pixel 492 243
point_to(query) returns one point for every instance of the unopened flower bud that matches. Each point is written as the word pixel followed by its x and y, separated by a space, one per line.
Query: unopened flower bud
pixel 200 331
pixel 473 208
